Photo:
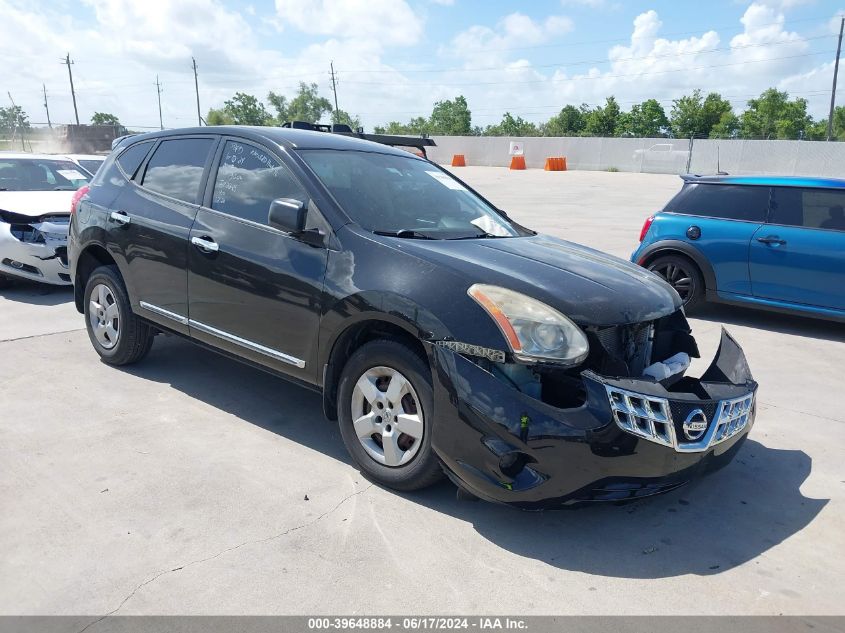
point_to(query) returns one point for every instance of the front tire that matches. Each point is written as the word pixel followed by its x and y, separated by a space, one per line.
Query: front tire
pixel 385 405
pixel 684 277
pixel 117 334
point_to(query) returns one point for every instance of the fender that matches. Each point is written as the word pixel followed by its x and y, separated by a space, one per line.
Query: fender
pixel 665 247
pixel 91 246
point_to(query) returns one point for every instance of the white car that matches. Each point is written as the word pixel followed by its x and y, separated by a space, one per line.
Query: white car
pixel 36 191
pixel 89 162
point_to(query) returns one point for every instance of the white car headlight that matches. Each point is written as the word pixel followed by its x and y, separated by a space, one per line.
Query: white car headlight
pixel 533 330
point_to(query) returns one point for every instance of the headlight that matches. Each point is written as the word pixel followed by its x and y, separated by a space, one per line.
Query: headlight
pixel 533 330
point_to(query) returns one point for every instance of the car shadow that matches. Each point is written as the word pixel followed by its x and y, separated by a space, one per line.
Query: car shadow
pixel 36 293
pixel 705 528
pixel 771 321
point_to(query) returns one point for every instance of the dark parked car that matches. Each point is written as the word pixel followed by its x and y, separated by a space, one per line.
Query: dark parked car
pixel 761 241
pixel 444 336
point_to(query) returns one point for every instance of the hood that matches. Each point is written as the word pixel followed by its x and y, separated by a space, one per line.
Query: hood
pixel 588 286
pixel 36 203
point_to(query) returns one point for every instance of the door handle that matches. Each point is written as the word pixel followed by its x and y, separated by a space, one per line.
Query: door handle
pixel 121 217
pixel 205 244
pixel 771 239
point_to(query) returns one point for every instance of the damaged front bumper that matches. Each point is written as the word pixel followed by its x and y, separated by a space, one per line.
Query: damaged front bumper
pixel 35 250
pixel 631 437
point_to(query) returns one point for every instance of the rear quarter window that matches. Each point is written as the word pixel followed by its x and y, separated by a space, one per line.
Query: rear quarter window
pixel 131 158
pixel 729 202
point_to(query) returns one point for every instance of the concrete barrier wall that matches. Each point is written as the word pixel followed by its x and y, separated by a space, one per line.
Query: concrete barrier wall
pixel 654 155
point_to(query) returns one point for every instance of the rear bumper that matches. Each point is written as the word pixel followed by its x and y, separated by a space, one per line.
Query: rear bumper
pixel 504 446
pixel 44 260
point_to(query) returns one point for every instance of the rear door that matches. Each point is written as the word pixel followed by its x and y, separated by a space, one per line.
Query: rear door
pixel 254 290
pixel 726 217
pixel 150 222
pixel 799 255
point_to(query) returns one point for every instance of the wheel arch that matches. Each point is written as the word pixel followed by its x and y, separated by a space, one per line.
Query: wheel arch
pixel 351 337
pixel 91 258
pixel 677 247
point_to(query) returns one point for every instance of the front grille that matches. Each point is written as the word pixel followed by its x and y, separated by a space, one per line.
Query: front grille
pixel 659 420
pixel 642 416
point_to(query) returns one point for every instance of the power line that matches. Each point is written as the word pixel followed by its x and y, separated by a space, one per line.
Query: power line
pixel 197 88
pixel 835 73
pixel 44 89
pixel 68 62
pixel 586 77
pixel 334 90
pixel 158 94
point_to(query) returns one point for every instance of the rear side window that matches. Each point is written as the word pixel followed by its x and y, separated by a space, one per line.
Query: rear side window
pixel 132 158
pixel 176 167
pixel 248 180
pixel 810 208
pixel 730 202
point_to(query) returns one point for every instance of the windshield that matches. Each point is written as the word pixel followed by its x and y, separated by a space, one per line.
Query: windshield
pixel 405 196
pixel 36 174
pixel 91 164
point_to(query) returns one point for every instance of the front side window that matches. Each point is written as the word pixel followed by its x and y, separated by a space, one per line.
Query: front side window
pixel 392 194
pixel 248 180
pixel 34 174
pixel 176 168
pixel 730 202
pixel 809 208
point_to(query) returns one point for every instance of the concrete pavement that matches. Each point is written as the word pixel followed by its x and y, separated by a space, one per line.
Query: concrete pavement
pixel 178 485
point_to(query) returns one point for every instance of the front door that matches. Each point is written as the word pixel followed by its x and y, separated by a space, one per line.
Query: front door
pixel 253 289
pixel 799 256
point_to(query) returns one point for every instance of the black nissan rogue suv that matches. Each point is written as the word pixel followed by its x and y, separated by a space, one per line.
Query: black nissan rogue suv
pixel 444 336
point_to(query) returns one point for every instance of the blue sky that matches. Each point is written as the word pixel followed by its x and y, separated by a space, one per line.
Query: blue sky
pixel 395 58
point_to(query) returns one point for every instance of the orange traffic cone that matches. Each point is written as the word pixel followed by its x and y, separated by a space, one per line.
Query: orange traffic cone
pixel 518 162
pixel 458 161
pixel 555 163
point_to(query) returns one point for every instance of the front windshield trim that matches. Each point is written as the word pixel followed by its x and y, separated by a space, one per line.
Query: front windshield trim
pixel 462 213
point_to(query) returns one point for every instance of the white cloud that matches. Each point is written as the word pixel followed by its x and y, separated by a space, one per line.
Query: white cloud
pixel 390 21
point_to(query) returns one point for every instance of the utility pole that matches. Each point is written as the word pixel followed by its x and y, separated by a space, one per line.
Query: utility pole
pixel 67 62
pixel 15 123
pixel 833 90
pixel 197 88
pixel 158 92
pixel 334 90
pixel 44 90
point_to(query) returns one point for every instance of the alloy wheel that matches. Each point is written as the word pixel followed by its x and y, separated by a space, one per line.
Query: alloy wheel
pixel 104 316
pixel 387 416
pixel 677 277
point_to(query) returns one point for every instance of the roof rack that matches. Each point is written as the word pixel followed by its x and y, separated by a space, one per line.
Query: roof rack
pixel 418 142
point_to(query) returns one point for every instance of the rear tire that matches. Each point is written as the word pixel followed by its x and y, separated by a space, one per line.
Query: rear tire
pixel 683 275
pixel 117 334
pixel 384 391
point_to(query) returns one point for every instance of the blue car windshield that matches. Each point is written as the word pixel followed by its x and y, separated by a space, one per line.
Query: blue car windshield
pixel 409 197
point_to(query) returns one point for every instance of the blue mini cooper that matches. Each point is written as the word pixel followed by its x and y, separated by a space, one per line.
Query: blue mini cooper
pixel 770 242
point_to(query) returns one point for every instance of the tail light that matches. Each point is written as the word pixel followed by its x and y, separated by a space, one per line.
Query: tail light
pixel 646 227
pixel 74 203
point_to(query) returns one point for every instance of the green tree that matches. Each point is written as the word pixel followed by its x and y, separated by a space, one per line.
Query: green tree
pixel 13 118
pixel 104 118
pixel 512 126
pixel 694 115
pixel 245 109
pixel 570 121
pixel 218 117
pixel 773 115
pixel 342 116
pixel 307 105
pixel 646 119
pixel 416 126
pixel 727 127
pixel 451 118
pixel 603 121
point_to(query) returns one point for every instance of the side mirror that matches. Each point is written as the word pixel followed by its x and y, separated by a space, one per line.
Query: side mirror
pixel 287 214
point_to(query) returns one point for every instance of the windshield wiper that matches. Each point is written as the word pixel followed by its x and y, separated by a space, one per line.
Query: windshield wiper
pixel 406 233
pixel 479 236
